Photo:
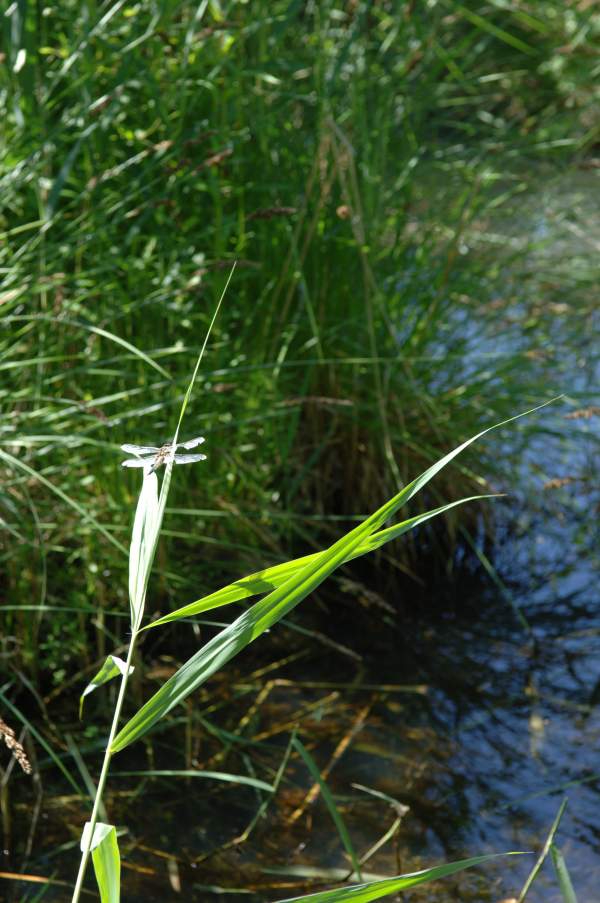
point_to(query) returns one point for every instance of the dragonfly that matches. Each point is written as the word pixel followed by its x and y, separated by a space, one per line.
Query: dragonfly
pixel 156 456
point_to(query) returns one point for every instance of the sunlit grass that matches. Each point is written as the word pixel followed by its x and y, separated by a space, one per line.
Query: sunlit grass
pixel 350 162
pixel 368 172
pixel 283 593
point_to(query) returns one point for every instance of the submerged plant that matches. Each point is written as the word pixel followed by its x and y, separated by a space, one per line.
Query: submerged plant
pixel 285 585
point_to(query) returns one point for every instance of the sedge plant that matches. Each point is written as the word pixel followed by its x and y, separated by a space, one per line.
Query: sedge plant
pixel 285 586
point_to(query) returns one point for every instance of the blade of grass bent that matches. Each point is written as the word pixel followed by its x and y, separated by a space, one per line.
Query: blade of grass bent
pixel 269 578
pixel 252 623
pixel 97 330
pixel 542 857
pixel 330 803
pixel 375 890
pixel 21 465
pixel 113 667
pixel 106 859
pixel 562 873
pixel 151 507
pixel 205 775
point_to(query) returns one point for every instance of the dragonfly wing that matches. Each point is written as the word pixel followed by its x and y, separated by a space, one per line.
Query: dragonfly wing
pixel 140 449
pixel 188 459
pixel 192 443
pixel 134 462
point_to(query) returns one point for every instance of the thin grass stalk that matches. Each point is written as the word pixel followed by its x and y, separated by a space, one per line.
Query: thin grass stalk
pixel 150 512
pixel 104 771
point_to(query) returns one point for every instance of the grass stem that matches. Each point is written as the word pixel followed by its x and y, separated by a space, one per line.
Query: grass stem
pixel 85 854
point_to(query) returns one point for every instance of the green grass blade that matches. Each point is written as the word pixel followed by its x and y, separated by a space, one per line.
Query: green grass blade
pixel 248 626
pixel 146 527
pixel 206 775
pixel 106 859
pixel 43 743
pixel 61 322
pixel 542 857
pixel 201 355
pixel 330 803
pixel 112 667
pixel 21 465
pixel 375 890
pixel 270 578
pixel 496 32
pixel 151 507
pixel 562 873
pixel 252 623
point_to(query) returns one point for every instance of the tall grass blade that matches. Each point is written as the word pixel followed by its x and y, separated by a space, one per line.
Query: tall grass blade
pixel 252 623
pixel 375 890
pixel 112 667
pixel 151 507
pixel 106 859
pixel 330 803
pixel 195 773
pixel 270 578
pixel 96 330
pixel 542 857
pixel 146 530
pixel 562 873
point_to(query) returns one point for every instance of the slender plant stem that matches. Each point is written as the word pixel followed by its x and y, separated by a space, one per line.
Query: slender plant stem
pixel 137 602
pixel 104 772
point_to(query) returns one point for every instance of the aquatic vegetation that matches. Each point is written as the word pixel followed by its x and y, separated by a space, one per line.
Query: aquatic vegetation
pixel 283 594
pixel 371 174
pixel 143 151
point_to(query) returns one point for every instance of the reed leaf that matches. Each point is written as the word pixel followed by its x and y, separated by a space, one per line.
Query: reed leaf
pixel 375 890
pixel 278 603
pixel 270 578
pixel 144 535
pixel 112 667
pixel 335 813
pixel 562 874
pixel 106 859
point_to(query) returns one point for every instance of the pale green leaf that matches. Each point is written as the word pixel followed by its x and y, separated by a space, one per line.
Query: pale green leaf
pixel 276 605
pixel 112 667
pixel 270 578
pixel 375 890
pixel 144 536
pixel 335 813
pixel 562 873
pixel 206 775
pixel 106 859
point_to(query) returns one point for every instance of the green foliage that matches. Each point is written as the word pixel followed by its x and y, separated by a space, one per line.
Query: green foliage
pixel 375 890
pixel 348 160
pixel 106 859
pixel 286 595
pixel 112 667
pixel 562 875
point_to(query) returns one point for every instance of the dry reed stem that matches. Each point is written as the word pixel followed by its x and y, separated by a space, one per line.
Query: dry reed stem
pixel 15 747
